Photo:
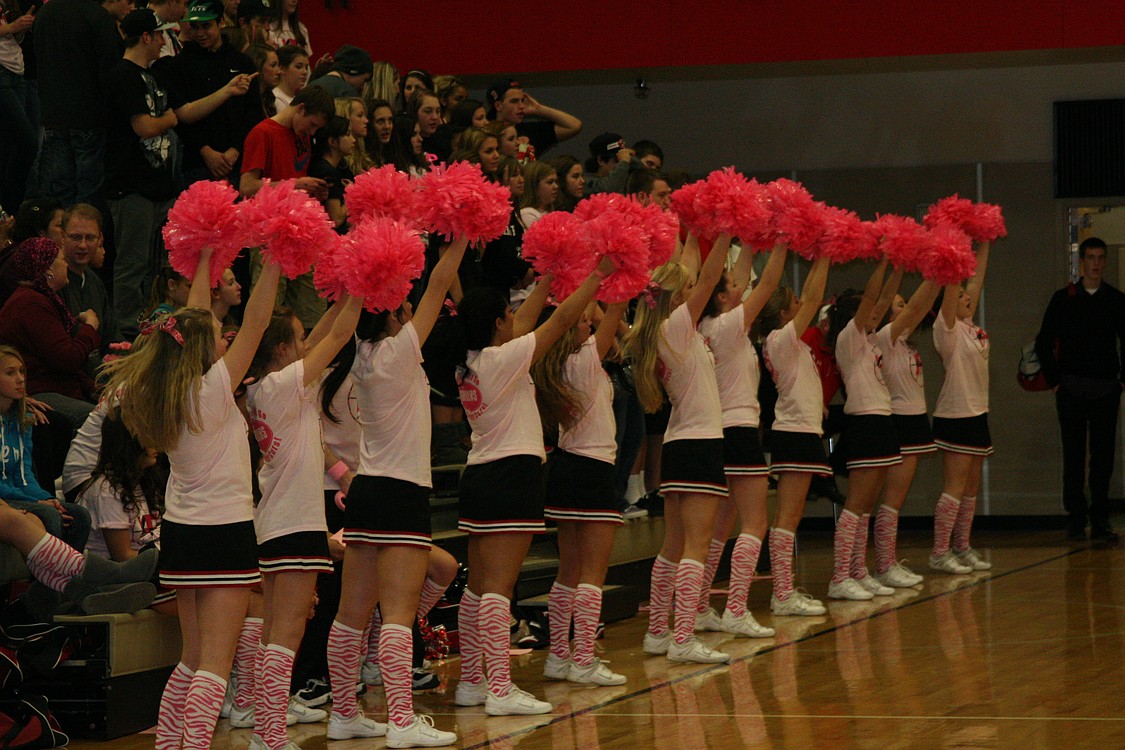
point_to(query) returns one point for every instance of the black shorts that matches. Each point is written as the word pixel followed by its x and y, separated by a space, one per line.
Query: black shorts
pixel 964 435
pixel 693 466
pixel 656 423
pixel 798 453
pixel 299 552
pixel 742 453
pixel 580 488
pixel 914 434
pixel 387 511
pixel 223 556
pixel 870 441
pixel 504 496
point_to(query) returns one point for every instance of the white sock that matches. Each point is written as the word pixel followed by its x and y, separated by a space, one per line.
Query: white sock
pixel 635 489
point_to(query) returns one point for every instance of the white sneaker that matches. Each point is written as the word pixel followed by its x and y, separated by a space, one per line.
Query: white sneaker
pixel 516 703
pixel 418 733
pixel 359 725
pixel 695 651
pixel 877 589
pixel 745 625
pixel 657 645
pixel 241 718
pixel 972 558
pixel 898 576
pixel 469 694
pixel 257 743
pixel 595 674
pixel 849 588
pixel 708 619
pixel 947 563
pixel 370 673
pixel 798 604
pixel 302 714
pixel 556 667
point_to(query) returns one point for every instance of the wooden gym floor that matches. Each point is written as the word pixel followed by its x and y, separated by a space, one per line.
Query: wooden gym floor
pixel 1028 655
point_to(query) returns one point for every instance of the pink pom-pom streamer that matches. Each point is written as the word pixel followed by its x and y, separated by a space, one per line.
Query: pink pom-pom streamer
pixel 903 239
pixel 387 257
pixel 291 228
pixel 846 237
pixel 556 244
pixel 382 192
pixel 797 218
pixel 457 201
pixel 614 236
pixel 728 203
pixel 983 222
pixel 683 205
pixel 659 226
pixel 948 257
pixel 332 268
pixel 205 215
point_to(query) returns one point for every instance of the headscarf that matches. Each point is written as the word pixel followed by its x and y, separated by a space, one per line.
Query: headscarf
pixel 33 258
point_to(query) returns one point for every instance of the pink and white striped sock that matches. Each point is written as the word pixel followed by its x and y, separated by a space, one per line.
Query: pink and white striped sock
pixel 886 538
pixel 395 651
pixel 781 563
pixel 345 653
pixel 661 587
pixel 468 627
pixel 432 592
pixel 689 579
pixel 964 525
pixel 372 656
pixel 53 562
pixel 246 660
pixel 587 611
pixel 858 568
pixel 269 713
pixel 170 721
pixel 495 636
pixel 843 545
pixel 201 709
pixel 945 517
pixel 560 608
pixel 714 553
pixel 743 563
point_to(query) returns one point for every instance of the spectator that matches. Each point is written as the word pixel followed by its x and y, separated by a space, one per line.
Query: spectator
pixel 649 154
pixel 410 84
pixel 383 84
pixel 466 114
pixel 382 121
pixel 169 293
pixel 572 182
pixel 331 147
pixel 82 236
pixel 451 92
pixel 254 21
pixel 541 191
pixel 650 187
pixel 508 102
pixel 507 137
pixel 294 65
pixel 609 165
pixel 406 146
pixel 230 14
pixel 427 112
pixel 169 12
pixel 351 70
pixel 287 30
pixel 37 217
pixel 353 110
pixel 18 110
pixel 118 9
pixel 225 295
pixel 269 73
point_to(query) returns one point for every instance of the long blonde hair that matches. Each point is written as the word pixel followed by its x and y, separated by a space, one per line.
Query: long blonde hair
pixel 555 396
pixel 158 382
pixel 640 344
pixel 358 161
pixel 19 408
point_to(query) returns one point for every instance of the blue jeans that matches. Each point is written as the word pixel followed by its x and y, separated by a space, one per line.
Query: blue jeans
pixel 75 533
pixel 72 165
pixel 20 116
pixel 137 224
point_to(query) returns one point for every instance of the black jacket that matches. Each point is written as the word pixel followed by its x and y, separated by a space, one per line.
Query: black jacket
pixel 1081 333
pixel 76 46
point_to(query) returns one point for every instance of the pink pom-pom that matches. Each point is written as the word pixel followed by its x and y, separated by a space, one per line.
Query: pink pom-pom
pixel 659 226
pixel 204 215
pixel 332 268
pixel 556 245
pixel 903 239
pixel 983 222
pixel 382 192
pixel 728 203
pixel 948 257
pixel 662 229
pixel 291 228
pixel 386 257
pixel 846 237
pixel 683 205
pixel 797 218
pixel 457 201
pixel 614 235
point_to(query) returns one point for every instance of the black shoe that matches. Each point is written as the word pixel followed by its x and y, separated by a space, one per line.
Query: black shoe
pixel 653 502
pixel 1103 532
pixel 314 693
pixel 423 680
pixel 1075 534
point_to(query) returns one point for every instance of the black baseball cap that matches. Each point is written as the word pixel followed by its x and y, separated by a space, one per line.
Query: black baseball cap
pixel 606 145
pixel 497 90
pixel 248 9
pixel 144 21
pixel 352 61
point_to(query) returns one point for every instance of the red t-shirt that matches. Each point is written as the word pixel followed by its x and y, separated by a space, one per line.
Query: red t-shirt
pixel 276 151
pixel 825 360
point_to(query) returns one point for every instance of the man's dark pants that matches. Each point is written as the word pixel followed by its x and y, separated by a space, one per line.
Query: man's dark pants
pixel 1095 417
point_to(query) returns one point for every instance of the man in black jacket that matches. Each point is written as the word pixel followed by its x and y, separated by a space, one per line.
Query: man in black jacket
pixel 1078 350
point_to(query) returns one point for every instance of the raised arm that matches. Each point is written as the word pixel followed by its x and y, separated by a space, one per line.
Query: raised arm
pixel 199 293
pixel 200 108
pixel 709 274
pixel 916 309
pixel 607 328
pixel 325 350
pixel 812 295
pixel 870 296
pixel 527 317
pixel 767 282
pixel 255 319
pixel 441 278
pixel 566 124
pixel 887 298
pixel 566 314
pixel 976 283
pixel 687 255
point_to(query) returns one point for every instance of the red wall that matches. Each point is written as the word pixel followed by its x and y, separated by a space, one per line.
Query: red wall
pixel 466 38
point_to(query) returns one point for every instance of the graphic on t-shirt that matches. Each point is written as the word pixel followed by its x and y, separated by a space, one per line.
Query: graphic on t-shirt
pixel 982 341
pixel 879 367
pixel 471 398
pixel 268 442
pixel 158 148
pixel 914 362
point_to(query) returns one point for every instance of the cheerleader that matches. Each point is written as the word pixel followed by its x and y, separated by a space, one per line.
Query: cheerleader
pixel 797 452
pixel 574 392
pixel 387 517
pixel 289 520
pixel 726 327
pixel 502 486
pixel 176 392
pixel 961 422
pixel 902 371
pixel 665 346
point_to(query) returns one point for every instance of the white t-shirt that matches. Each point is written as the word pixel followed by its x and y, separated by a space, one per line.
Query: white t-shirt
pixel 736 367
pixel 286 425
pixel 82 456
pixel 800 396
pixel 107 512
pixel 394 408
pixel 530 215
pixel 594 435
pixel 902 370
pixel 281 100
pixel 499 399
pixel 861 366
pixel 687 370
pixel 964 353
pixel 342 437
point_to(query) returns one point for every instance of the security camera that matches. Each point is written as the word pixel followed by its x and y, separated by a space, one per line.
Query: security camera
pixel 640 89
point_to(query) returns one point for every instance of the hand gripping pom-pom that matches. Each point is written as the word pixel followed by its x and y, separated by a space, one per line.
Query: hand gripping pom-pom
pixel 556 245
pixel 205 215
pixel 382 192
pixel 728 203
pixel 797 218
pixel 386 259
pixel 846 237
pixel 948 257
pixel 457 201
pixel 983 222
pixel 903 239
pixel 291 228
pixel 683 205
pixel 613 235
